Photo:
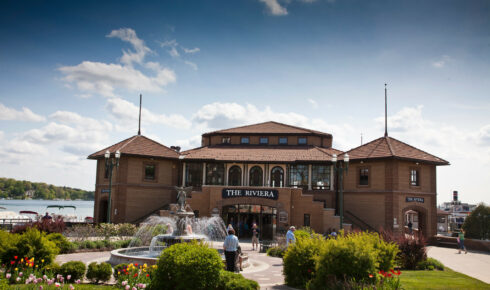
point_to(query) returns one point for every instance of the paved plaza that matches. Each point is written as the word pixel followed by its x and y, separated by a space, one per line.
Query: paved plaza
pixel 267 271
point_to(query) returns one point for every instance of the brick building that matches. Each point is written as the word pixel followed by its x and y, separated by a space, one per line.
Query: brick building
pixel 275 175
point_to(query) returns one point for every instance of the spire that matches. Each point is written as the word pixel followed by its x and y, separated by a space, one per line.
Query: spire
pixel 386 113
pixel 139 122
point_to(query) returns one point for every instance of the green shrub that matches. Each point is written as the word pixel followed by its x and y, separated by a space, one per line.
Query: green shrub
pixel 99 272
pixel 99 244
pixel 34 244
pixel 232 281
pixel 352 257
pixel 61 242
pixel 276 252
pixel 303 233
pixel 300 260
pixel 52 269
pixel 118 268
pixel 430 264
pixel 74 268
pixel 126 230
pixel 181 260
pixel 89 245
pixel 8 248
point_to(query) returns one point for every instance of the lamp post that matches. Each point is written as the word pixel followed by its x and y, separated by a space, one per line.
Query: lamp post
pixel 340 169
pixel 109 164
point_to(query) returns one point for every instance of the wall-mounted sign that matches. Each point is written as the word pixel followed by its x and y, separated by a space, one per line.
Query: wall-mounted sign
pixel 283 217
pixel 414 199
pixel 261 193
pixel 105 190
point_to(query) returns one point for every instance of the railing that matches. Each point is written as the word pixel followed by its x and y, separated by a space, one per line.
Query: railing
pixel 358 222
pixel 8 223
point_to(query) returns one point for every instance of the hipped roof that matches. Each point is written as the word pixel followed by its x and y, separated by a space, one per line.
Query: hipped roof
pixel 270 127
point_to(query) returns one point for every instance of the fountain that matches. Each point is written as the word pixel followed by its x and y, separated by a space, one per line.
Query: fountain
pixel 180 226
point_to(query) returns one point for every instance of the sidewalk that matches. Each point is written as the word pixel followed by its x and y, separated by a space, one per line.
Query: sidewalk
pixel 473 264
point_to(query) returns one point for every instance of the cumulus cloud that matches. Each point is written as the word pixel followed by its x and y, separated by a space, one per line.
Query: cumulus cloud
pixel 275 8
pixel 483 135
pixel 25 114
pixel 127 113
pixel 441 62
pixel 172 47
pixel 105 78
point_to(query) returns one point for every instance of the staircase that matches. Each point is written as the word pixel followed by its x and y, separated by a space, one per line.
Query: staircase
pixel 332 221
pixel 358 222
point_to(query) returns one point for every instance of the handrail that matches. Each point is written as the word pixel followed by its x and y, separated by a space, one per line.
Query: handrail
pixel 363 225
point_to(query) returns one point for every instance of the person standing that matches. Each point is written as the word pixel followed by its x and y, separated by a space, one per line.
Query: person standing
pixel 461 242
pixel 290 238
pixel 230 246
pixel 255 237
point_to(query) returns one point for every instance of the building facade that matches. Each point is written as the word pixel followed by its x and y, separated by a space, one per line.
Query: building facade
pixel 274 175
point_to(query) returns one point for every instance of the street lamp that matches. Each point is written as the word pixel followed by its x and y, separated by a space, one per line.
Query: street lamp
pixel 109 164
pixel 340 169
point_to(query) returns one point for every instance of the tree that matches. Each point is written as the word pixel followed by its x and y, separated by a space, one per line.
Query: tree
pixel 477 224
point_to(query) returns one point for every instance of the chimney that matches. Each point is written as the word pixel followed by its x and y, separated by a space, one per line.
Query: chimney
pixel 455 196
pixel 176 148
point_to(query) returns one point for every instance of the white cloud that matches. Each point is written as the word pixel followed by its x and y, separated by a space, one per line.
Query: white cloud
pixel 313 103
pixel 192 50
pixel 26 114
pixel 103 78
pixel 172 45
pixel 442 62
pixel 129 35
pixel 127 113
pixel 2 134
pixel 483 135
pixel 275 8
pixel 191 64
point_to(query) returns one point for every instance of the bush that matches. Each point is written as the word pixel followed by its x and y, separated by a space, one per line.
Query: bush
pixel 353 258
pixel 99 272
pixel 179 260
pixel 303 233
pixel 300 259
pixel 35 244
pixel 89 245
pixel 232 281
pixel 430 264
pixel 62 243
pixel 118 268
pixel 126 229
pixel 46 226
pixel 412 251
pixel 477 224
pixel 74 268
pixel 52 269
pixel 8 247
pixel 276 252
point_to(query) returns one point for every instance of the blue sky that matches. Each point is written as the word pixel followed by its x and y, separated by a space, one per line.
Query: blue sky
pixel 71 73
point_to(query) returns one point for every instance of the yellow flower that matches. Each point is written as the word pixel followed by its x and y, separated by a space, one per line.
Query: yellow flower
pixel 16 269
pixel 22 260
pixel 42 261
pixel 37 266
pixel 119 273
pixel 144 265
pixel 27 264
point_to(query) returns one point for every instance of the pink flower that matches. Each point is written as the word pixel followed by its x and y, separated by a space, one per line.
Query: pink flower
pixel 40 287
pixel 57 285
pixel 8 275
pixel 134 288
pixel 127 287
pixel 45 277
pixel 17 279
pixel 78 281
pixel 143 286
pixel 71 287
pixel 124 283
pixel 50 282
pixel 68 277
pixel 20 274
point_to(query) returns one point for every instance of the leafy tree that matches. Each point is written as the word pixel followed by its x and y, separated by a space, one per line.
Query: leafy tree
pixel 477 224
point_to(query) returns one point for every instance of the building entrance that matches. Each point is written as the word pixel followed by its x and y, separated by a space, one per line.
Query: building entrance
pixel 243 216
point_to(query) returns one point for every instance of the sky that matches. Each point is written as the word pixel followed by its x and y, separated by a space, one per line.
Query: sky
pixel 71 73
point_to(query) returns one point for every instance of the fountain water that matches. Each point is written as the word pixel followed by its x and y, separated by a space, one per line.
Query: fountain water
pixel 156 233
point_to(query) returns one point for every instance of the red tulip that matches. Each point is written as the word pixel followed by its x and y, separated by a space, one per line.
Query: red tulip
pixel 135 275
pixel 147 275
pixel 15 257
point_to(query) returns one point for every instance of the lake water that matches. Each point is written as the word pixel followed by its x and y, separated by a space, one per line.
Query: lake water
pixel 84 208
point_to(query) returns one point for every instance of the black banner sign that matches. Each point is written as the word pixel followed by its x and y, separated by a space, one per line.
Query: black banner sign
pixel 105 190
pixel 261 193
pixel 415 199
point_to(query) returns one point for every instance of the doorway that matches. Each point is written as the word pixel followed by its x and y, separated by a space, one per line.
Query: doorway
pixel 103 211
pixel 243 216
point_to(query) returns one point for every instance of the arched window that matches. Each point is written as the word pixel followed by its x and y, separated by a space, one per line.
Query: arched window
pixel 277 177
pixel 256 176
pixel 235 176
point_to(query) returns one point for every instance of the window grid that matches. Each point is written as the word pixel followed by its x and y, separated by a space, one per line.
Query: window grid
pixel 364 176
pixel 414 177
pixel 283 140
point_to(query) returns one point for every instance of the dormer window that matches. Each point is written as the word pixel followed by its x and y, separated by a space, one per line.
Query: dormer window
pixel 283 140
pixel 245 140
pixel 226 140
pixel 301 140
pixel 264 140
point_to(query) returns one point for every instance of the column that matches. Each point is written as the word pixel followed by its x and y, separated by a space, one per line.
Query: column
pixel 183 174
pixel 204 173
pixel 226 174
pixel 309 176
pixel 332 177
pixel 245 174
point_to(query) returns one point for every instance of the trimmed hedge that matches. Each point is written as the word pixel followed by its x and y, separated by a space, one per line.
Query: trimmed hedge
pixel 181 261
pixel 99 272
pixel 430 264
pixel 300 260
pixel 232 281
pixel 76 269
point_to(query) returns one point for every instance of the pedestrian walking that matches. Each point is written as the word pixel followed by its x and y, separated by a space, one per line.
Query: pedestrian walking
pixel 461 242
pixel 290 238
pixel 230 246
pixel 255 237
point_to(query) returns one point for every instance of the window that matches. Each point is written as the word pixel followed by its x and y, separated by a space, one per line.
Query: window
pixel 149 172
pixel 215 174
pixel 301 140
pixel 363 176
pixel 264 140
pixel 193 174
pixel 283 140
pixel 414 177
pixel 245 140
pixel 306 220
pixel 256 176
pixel 235 176
pixel 277 177
pixel 106 172
pixel 226 140
pixel 320 176
pixel 298 176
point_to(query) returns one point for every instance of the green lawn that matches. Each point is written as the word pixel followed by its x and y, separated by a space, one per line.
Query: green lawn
pixel 447 279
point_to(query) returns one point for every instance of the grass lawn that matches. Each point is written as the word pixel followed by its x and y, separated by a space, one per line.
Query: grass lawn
pixel 447 279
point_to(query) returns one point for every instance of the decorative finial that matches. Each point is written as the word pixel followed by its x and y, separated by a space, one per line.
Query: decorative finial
pixel 386 112
pixel 139 122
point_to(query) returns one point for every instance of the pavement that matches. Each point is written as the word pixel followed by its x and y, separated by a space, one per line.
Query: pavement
pixel 474 264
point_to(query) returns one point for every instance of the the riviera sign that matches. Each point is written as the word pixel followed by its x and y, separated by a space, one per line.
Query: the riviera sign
pixel 262 193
